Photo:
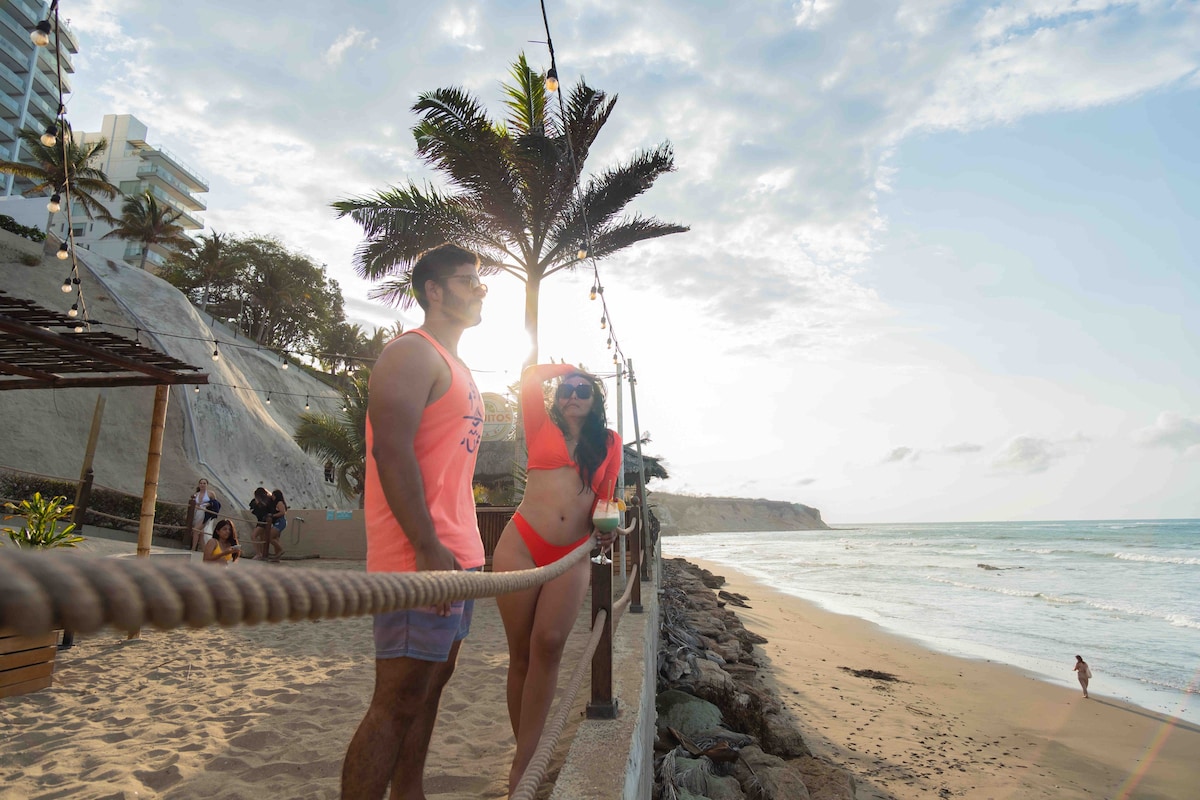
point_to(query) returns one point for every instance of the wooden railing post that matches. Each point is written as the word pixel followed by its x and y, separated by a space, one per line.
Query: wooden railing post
pixel 602 705
pixel 635 548
pixel 82 498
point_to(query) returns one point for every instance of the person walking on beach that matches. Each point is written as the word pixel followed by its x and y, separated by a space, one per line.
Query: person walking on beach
pixel 206 507
pixel 262 506
pixel 1083 672
pixel 278 520
pixel 574 463
pixel 424 425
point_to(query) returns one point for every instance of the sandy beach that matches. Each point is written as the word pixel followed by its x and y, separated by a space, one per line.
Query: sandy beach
pixel 954 727
pixel 248 712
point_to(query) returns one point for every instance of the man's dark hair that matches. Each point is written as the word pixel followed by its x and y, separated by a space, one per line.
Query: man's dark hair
pixel 436 264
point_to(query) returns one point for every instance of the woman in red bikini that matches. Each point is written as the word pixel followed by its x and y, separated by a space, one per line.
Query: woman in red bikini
pixel 574 460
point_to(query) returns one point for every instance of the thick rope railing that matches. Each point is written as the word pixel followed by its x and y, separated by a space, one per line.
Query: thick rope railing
pixel 41 592
pixel 535 773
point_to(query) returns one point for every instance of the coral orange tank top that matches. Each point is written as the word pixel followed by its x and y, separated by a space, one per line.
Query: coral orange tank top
pixel 446 446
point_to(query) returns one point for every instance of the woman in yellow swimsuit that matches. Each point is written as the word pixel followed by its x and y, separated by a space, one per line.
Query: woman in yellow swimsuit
pixel 223 547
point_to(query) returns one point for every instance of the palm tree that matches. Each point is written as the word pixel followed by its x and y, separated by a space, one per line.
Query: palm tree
pixel 144 220
pixel 216 262
pixel 50 170
pixel 342 438
pixel 512 192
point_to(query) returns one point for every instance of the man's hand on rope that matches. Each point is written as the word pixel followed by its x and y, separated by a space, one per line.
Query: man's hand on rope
pixel 436 556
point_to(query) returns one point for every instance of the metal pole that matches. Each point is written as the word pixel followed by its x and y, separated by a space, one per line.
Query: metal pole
pixel 621 475
pixel 644 572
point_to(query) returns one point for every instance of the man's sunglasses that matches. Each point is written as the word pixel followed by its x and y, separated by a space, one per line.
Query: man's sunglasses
pixel 581 390
pixel 473 282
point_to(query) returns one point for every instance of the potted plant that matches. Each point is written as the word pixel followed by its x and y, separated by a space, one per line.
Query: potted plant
pixel 27 662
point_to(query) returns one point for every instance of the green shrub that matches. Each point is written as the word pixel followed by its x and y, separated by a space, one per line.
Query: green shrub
pixel 30 260
pixel 12 226
pixel 42 518
pixel 17 486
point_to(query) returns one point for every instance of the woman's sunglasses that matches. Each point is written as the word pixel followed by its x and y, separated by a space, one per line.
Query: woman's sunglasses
pixel 581 390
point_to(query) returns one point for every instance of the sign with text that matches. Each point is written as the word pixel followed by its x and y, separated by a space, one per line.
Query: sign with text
pixel 499 418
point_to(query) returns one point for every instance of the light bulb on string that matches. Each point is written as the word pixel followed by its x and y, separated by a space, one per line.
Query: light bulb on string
pixel 55 203
pixel 268 398
pixel 608 344
pixel 306 402
pixel 345 408
pixel 50 137
pixel 40 35
pixel 592 293
pixel 615 358
pixel 196 389
pixel 63 252
pixel 66 285
pixel 582 254
pixel 284 364
pixel 74 312
pixel 216 356
pixel 552 80
pixel 603 323
pixel 79 327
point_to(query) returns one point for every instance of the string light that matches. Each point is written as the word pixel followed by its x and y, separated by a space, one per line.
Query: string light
pixel 40 35
pixel 55 203
pixel 50 137
pixel 603 322
pixel 306 402
pixel 216 356
pixel 582 254
pixel 268 398
pixel 79 327
pixel 196 389
pixel 552 80
pixel 66 285
pixel 284 364
pixel 63 252
pixel 74 312
pixel 592 294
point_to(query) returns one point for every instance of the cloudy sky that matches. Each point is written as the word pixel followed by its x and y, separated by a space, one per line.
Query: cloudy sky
pixel 943 258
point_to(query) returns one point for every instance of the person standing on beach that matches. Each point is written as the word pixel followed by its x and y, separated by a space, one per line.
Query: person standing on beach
pixel 424 425
pixel 202 514
pixel 574 464
pixel 1083 672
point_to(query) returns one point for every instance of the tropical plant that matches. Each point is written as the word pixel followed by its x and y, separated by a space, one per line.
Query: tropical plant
pixel 341 438
pixel 512 190
pixel 146 221
pixel 42 519
pixel 208 272
pixel 50 170
pixel 287 299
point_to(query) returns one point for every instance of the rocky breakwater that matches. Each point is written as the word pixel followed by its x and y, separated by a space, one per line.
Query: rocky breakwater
pixel 723 734
pixel 682 514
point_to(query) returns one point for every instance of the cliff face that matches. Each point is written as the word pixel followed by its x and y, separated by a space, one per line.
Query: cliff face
pixel 681 514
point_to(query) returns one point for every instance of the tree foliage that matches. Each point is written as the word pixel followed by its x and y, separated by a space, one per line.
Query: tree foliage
pixel 341 438
pixel 146 221
pixel 510 190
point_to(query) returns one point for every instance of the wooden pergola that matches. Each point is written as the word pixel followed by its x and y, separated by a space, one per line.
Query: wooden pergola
pixel 40 349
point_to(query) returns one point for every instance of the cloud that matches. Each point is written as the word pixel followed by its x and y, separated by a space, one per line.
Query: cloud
pixel 962 448
pixel 1171 430
pixel 804 481
pixel 901 454
pixel 351 38
pixel 1028 455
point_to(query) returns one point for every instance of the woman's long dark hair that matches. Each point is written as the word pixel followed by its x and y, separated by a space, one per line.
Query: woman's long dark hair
pixel 594 438
pixel 226 523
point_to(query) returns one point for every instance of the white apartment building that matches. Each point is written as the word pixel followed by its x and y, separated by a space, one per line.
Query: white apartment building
pixel 135 167
pixel 28 80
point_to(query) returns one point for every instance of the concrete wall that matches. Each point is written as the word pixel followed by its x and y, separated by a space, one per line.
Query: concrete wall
pixel 615 758
pixel 323 532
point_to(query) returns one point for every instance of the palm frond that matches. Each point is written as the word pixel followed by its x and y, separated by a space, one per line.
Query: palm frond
pixel 526 101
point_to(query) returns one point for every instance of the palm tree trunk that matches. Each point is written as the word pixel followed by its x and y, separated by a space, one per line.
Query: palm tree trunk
pixel 532 288
pixel 145 252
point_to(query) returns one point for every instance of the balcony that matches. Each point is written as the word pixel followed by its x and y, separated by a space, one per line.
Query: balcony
pixel 23 11
pixel 14 57
pixel 160 177
pixel 9 108
pixel 133 255
pixel 190 177
pixel 187 221
pixel 12 83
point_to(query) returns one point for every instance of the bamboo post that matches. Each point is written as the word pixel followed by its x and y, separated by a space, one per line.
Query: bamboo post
pixel 644 572
pixel 153 459
pixel 88 455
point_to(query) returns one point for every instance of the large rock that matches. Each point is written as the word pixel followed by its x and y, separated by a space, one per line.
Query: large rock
pixel 694 775
pixel 684 514
pixel 781 736
pixel 686 713
pixel 825 781
pixel 769 777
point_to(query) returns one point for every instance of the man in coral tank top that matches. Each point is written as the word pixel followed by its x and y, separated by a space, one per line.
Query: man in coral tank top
pixel 424 424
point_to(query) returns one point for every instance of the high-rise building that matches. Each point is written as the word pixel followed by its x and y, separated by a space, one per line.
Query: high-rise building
pixel 28 79
pixel 136 167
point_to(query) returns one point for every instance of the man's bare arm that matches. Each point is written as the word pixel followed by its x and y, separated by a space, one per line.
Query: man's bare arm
pixel 406 378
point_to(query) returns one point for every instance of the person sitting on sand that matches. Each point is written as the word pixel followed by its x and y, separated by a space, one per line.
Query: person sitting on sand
pixel 1083 672
pixel 223 547
pixel 574 462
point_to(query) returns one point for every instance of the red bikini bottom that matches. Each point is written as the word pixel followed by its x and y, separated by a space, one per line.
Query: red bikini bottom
pixel 543 552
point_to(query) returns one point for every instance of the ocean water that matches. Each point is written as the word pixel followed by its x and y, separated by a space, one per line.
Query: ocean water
pixel 1124 594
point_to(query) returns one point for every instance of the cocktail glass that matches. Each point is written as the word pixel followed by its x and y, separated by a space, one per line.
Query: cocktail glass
pixel 606 517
